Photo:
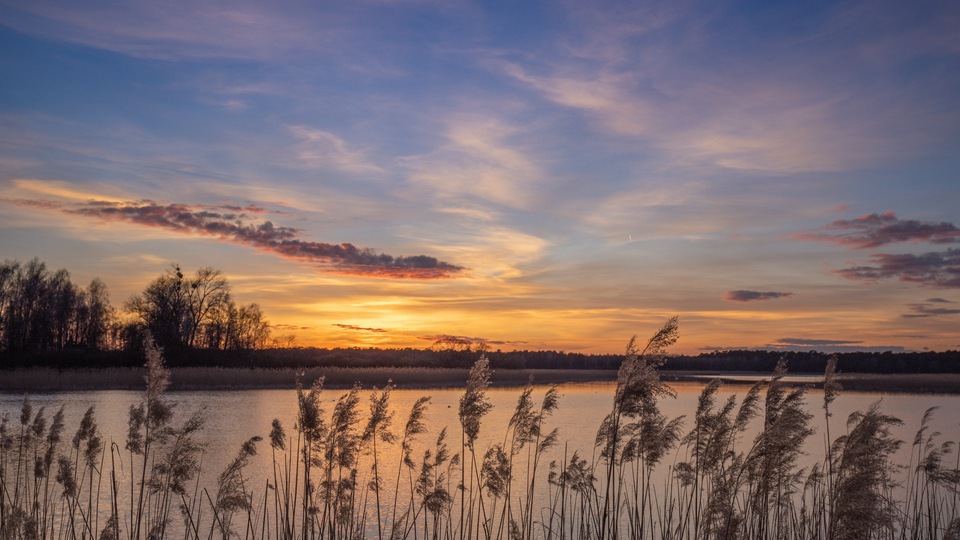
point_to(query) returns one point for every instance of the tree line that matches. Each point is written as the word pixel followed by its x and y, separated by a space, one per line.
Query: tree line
pixel 46 319
pixel 42 310
pixel 722 361
pixel 44 314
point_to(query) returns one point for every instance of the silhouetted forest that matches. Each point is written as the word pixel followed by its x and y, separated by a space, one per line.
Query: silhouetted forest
pixel 293 358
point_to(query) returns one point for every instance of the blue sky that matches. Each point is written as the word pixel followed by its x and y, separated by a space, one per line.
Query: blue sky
pixel 538 175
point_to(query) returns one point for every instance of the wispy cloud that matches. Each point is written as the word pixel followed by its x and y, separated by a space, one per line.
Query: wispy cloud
pixel 816 342
pixel 938 269
pixel 829 345
pixel 324 150
pixel 604 95
pixel 290 327
pixel 751 296
pixel 923 310
pixel 798 104
pixel 821 345
pixel 361 328
pixel 239 228
pixel 60 190
pixel 481 159
pixel 875 230
pixel 446 340
pixel 172 30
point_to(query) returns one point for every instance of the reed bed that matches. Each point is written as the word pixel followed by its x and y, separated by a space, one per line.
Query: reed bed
pixel 731 469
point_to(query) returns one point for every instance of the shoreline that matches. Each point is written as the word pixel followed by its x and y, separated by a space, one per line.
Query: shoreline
pixel 217 378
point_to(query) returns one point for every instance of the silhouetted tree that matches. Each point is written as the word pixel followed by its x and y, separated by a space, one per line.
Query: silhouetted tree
pixel 196 312
pixel 162 308
pixel 41 312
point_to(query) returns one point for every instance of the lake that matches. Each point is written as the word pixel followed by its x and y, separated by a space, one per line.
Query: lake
pixel 232 417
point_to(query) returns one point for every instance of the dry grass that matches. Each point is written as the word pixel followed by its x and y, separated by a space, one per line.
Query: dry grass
pixel 204 378
pixel 210 378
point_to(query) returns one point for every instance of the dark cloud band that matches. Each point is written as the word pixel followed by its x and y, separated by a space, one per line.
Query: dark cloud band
pixel 923 311
pixel 938 269
pixel 230 227
pixel 361 328
pixel 875 230
pixel 751 296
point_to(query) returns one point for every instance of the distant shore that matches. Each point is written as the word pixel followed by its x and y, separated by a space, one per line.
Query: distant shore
pixel 215 378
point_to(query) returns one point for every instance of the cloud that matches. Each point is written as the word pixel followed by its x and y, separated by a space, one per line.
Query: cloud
pixel 237 228
pixel 290 327
pixel 829 345
pixel 821 345
pixel 674 80
pixel 875 230
pixel 250 208
pixel 325 150
pixel 940 301
pixel 923 310
pixel 60 190
pixel 173 30
pixel 484 158
pixel 463 342
pixel 938 269
pixel 33 203
pixel 816 342
pixel 750 296
pixel 361 328
pixel 607 96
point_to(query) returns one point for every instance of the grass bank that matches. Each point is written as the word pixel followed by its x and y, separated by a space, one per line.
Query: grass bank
pixel 216 378
pixel 208 378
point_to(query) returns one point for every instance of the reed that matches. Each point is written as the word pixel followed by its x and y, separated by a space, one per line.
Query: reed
pixel 649 476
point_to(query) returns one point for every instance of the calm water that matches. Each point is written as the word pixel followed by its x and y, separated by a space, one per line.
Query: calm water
pixel 235 416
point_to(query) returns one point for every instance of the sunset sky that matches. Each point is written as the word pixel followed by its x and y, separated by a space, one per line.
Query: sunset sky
pixel 538 175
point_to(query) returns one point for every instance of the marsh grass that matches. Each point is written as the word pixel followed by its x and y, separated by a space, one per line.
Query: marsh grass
pixel 731 469
pixel 209 378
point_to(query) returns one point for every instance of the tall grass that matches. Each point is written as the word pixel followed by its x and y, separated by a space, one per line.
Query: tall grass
pixel 730 470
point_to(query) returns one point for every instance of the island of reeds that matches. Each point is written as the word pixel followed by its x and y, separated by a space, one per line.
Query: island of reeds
pixel 729 470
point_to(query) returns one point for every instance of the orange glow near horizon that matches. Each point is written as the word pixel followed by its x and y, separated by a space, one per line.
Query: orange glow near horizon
pixel 556 176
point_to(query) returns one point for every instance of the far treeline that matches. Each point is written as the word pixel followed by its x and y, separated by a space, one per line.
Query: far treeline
pixel 724 361
pixel 48 321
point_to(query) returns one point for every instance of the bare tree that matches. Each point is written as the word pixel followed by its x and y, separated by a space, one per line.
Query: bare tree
pixel 197 312
pixel 43 311
pixel 204 294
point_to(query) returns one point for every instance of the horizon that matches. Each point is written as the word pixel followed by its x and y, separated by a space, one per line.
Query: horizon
pixel 537 177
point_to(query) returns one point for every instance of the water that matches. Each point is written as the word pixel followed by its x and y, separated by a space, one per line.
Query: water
pixel 232 417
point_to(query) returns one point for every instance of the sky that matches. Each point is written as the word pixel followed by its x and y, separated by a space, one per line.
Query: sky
pixel 536 175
